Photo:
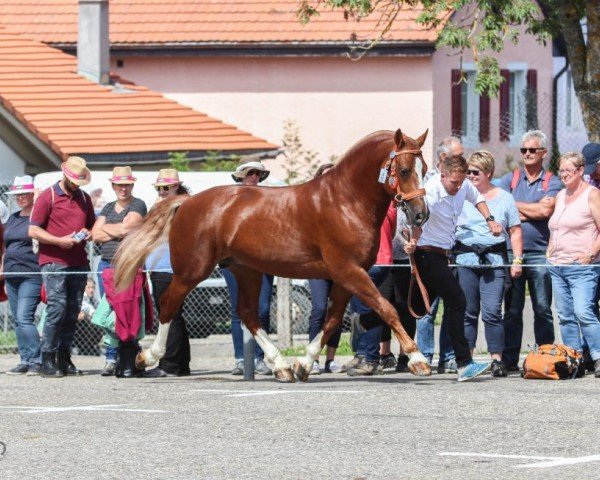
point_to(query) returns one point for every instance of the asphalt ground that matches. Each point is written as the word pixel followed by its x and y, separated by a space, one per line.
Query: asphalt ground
pixel 215 426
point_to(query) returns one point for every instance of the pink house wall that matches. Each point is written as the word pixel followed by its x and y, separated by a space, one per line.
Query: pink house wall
pixel 528 52
pixel 334 101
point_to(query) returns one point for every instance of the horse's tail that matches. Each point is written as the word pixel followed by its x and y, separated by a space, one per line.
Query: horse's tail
pixel 137 245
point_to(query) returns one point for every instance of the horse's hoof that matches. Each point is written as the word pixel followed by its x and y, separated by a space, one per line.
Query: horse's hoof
pixel 302 373
pixel 284 375
pixel 421 369
pixel 140 360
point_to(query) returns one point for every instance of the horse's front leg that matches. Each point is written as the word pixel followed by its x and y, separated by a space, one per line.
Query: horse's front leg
pixel 249 283
pixel 358 282
pixel 338 299
pixel 150 356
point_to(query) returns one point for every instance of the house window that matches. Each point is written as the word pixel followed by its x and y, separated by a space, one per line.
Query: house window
pixel 517 105
pixel 469 111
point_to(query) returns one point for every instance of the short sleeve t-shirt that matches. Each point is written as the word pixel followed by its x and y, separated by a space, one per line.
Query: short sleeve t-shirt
pixel 535 232
pixel 19 256
pixel 472 229
pixel 108 249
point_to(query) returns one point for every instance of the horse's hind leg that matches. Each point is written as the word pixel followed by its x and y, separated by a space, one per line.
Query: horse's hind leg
pixel 170 302
pixel 338 299
pixel 249 282
pixel 357 281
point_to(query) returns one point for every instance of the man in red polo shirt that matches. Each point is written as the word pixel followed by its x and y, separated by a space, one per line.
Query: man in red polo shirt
pixel 61 220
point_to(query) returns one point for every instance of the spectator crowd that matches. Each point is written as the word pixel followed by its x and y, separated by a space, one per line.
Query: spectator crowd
pixel 486 244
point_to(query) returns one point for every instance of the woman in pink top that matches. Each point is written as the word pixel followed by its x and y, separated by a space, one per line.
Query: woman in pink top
pixel 574 240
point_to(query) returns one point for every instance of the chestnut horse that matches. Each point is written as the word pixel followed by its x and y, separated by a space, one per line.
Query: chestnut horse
pixel 325 228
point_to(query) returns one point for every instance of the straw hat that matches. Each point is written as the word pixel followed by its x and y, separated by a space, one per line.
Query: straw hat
pixel 122 176
pixel 247 164
pixel 75 169
pixel 167 176
pixel 22 184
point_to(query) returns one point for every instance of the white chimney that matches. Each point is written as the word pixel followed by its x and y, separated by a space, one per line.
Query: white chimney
pixel 93 44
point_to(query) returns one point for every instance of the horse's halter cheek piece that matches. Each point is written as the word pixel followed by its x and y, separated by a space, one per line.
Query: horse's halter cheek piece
pixel 401 198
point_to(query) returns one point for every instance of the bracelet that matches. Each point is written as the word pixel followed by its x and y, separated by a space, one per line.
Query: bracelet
pixel 517 261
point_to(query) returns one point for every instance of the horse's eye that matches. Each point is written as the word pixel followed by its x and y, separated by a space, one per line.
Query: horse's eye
pixel 405 172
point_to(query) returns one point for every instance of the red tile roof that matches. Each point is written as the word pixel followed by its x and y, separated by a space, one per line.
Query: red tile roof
pixel 206 22
pixel 40 86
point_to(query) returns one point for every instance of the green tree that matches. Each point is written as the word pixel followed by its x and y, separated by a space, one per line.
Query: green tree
pixel 217 162
pixel 180 161
pixel 487 24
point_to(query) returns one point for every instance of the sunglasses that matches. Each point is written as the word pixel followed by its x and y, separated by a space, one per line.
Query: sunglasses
pixel 163 188
pixel 530 150
pixel 475 173
pixel 253 172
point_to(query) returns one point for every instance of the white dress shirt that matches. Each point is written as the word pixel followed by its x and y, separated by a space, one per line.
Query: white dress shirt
pixel 444 209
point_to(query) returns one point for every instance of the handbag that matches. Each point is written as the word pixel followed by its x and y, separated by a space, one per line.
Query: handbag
pixel 553 362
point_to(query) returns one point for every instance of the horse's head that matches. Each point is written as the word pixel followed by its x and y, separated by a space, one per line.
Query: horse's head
pixel 405 169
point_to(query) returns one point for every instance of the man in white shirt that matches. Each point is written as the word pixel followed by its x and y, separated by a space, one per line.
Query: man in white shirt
pixel 446 194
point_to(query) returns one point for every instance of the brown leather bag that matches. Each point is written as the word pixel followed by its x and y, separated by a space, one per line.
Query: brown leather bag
pixel 553 362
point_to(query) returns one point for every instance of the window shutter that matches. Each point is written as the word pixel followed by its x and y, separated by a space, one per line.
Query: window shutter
pixel 456 123
pixel 505 106
pixel 532 81
pixel 484 118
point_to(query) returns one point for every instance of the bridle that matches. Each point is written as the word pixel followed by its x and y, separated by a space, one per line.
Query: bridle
pixel 401 198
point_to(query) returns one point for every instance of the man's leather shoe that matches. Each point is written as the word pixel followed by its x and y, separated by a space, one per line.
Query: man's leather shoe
pixel 66 365
pixel 49 367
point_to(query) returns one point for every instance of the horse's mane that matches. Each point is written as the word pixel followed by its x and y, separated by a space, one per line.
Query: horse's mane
pixel 353 154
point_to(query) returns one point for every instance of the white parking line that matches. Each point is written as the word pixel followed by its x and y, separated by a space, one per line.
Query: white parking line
pixel 82 408
pixel 256 393
pixel 547 463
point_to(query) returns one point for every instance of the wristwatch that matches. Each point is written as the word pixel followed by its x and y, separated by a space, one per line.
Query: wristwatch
pixel 490 218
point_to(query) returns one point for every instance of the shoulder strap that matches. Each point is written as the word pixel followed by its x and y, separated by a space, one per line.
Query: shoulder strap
pixel 546 181
pixel 515 178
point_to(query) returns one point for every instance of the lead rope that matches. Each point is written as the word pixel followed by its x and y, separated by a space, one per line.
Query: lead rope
pixel 415 275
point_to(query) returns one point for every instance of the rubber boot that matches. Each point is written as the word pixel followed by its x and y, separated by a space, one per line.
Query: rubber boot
pixel 49 367
pixel 125 366
pixel 66 365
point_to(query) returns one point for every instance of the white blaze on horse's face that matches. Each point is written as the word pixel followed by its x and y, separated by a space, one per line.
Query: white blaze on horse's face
pixel 419 170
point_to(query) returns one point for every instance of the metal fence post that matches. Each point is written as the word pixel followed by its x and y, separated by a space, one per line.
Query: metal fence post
pixel 284 320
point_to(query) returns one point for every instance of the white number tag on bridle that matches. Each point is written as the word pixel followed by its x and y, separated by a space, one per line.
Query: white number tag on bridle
pixel 383 175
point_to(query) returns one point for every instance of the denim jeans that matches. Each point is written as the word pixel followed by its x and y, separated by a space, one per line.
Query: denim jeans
pixel 540 290
pixel 110 351
pixel 426 335
pixel 319 296
pixel 368 342
pixel 264 312
pixel 64 288
pixel 484 291
pixel 23 298
pixel 575 294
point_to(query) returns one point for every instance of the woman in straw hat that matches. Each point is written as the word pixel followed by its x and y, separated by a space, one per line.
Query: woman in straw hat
pixel 249 172
pixel 176 361
pixel 115 221
pixel 23 290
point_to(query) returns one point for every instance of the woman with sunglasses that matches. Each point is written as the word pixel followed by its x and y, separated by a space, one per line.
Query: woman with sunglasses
pixel 573 252
pixel 481 257
pixel 23 290
pixel 250 173
pixel 176 361
pixel 114 222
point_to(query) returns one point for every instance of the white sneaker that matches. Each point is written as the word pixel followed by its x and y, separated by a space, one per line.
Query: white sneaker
pixel 333 367
pixel 316 369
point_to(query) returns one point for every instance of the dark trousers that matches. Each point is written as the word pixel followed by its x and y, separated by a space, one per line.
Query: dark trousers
pixel 64 289
pixel 319 296
pixel 177 357
pixel 439 280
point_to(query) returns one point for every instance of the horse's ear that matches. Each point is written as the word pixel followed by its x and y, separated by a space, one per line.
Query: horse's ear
pixel 399 139
pixel 421 139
